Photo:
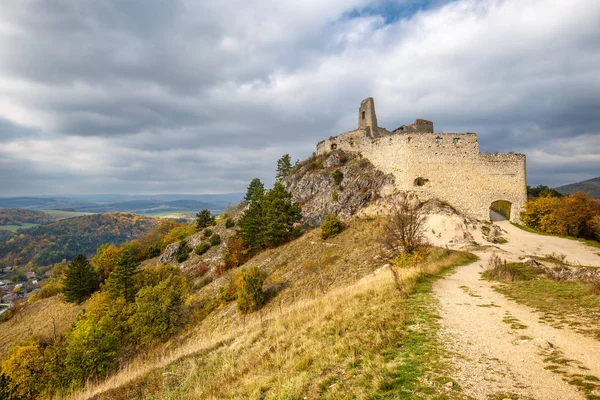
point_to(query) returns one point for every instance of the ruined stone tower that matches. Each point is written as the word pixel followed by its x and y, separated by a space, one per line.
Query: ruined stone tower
pixel 367 119
pixel 447 166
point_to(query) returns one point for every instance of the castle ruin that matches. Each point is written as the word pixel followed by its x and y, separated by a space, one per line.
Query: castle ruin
pixel 447 166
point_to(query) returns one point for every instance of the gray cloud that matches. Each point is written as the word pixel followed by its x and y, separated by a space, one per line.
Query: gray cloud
pixel 150 96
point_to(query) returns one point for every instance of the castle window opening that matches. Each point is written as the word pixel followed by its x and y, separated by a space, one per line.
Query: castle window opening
pixel 456 140
pixel 420 181
pixel 408 139
pixel 438 140
pixel 333 146
pixel 363 115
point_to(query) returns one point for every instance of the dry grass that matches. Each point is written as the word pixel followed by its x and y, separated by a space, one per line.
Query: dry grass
pixel 304 344
pixel 36 318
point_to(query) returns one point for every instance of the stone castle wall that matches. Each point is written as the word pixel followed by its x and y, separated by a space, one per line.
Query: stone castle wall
pixel 443 165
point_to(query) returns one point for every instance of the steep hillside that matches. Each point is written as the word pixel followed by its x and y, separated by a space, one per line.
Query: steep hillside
pixel 591 186
pixel 51 243
pixel 339 183
pixel 334 326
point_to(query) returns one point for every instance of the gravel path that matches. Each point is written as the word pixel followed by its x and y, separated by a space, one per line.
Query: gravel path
pixel 500 348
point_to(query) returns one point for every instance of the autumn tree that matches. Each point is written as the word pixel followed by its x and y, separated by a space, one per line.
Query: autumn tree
pixel 105 259
pixel 250 294
pixel 80 280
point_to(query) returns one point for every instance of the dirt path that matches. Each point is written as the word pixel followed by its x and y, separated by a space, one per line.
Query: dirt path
pixel 501 348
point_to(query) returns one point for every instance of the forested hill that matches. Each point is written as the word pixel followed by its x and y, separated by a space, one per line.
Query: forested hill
pixel 591 186
pixel 19 216
pixel 53 242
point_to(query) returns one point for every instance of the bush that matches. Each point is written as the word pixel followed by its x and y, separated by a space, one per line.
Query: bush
pixel 338 177
pixel 236 254
pixel 177 234
pixel 183 251
pixel 229 223
pixel 151 251
pixel 250 294
pixel 215 240
pixel 334 196
pixel 228 293
pixel 207 233
pixel 331 226
pixel 202 248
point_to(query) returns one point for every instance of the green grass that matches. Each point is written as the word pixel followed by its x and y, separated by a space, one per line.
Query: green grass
pixel 561 303
pixel 14 228
pixel 61 214
pixel 512 272
pixel 592 243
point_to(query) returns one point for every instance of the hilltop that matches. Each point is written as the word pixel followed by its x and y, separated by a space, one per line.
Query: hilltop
pixel 591 186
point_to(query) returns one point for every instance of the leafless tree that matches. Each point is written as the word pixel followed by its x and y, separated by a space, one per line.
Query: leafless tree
pixel 404 231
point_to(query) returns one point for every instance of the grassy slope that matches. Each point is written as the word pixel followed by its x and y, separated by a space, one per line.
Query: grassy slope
pixel 36 318
pixel 561 303
pixel 358 340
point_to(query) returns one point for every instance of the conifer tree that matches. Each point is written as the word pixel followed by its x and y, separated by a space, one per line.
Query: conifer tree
pixel 269 221
pixel 80 280
pixel 255 191
pixel 284 167
pixel 204 219
pixel 121 280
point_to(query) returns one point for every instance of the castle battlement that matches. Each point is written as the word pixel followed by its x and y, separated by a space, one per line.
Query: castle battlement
pixel 448 166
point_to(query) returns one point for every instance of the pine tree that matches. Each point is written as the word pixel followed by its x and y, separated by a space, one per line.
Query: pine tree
pixel 280 215
pixel 204 219
pixel 80 280
pixel 121 280
pixel 284 167
pixel 269 221
pixel 255 191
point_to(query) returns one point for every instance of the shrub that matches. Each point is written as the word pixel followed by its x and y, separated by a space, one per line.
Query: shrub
pixel 338 177
pixel 177 234
pixel 334 196
pixel 236 254
pixel 404 231
pixel 207 233
pixel 250 294
pixel 229 223
pixel 331 226
pixel 151 251
pixel 228 293
pixel 183 251
pixel 215 240
pixel 202 269
pixel 202 248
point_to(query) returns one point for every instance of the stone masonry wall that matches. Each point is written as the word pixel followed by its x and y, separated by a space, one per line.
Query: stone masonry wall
pixel 443 165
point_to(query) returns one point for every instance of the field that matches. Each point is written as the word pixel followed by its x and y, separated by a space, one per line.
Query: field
pixel 13 228
pixel 169 214
pixel 60 214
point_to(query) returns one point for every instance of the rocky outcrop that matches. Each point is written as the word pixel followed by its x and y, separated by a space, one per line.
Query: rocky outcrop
pixel 339 183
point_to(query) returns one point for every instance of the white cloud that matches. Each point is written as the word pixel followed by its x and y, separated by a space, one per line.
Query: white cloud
pixel 193 96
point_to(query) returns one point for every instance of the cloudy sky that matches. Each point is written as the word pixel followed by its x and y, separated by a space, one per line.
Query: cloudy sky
pixel 191 96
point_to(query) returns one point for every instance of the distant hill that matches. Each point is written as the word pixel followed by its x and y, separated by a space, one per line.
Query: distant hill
pixel 19 216
pixel 125 203
pixel 591 186
pixel 53 242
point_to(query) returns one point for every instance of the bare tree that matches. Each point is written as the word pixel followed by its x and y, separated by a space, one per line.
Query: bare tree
pixel 404 231
pixel 404 240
